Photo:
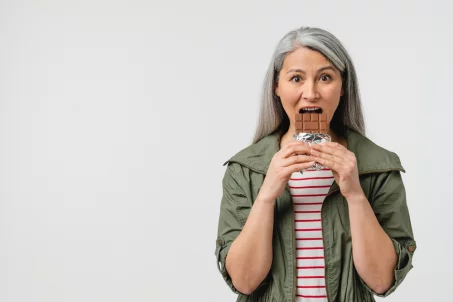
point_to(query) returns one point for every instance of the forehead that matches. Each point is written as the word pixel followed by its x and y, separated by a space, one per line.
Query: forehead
pixel 304 58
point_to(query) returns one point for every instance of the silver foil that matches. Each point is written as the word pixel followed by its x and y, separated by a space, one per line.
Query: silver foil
pixel 312 138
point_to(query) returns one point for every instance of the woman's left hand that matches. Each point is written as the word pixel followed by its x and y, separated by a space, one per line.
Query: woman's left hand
pixel 343 164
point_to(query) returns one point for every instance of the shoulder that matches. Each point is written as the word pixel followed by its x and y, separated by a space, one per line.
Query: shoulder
pixel 370 156
pixel 257 156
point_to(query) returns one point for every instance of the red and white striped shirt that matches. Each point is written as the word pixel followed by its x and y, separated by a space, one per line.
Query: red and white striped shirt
pixel 308 191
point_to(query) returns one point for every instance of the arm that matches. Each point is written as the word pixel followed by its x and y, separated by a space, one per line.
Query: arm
pixel 388 202
pixel 373 252
pixel 250 257
pixel 234 208
pixel 244 245
pixel 374 225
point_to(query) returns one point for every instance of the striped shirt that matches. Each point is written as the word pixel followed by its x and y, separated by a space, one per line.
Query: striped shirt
pixel 308 191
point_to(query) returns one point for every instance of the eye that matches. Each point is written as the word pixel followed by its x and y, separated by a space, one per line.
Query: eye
pixel 296 79
pixel 325 78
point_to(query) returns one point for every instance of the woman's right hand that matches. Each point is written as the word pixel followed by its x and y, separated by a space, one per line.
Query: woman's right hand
pixel 285 162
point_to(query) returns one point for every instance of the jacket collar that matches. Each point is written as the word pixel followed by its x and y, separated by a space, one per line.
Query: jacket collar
pixel 370 157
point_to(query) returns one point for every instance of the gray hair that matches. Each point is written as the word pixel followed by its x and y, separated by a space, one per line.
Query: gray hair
pixel 272 116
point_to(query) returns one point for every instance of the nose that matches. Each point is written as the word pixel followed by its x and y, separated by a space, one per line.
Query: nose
pixel 310 92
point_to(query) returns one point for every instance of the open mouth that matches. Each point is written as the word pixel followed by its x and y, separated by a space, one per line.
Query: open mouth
pixel 311 110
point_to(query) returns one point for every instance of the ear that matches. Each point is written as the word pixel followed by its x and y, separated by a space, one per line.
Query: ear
pixel 342 91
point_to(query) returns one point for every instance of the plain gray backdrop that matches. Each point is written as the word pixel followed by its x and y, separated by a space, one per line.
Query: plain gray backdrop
pixel 116 118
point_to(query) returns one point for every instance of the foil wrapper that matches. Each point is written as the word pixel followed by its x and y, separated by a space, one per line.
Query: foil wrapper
pixel 313 138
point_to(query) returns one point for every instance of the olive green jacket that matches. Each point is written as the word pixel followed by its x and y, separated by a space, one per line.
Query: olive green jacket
pixel 380 178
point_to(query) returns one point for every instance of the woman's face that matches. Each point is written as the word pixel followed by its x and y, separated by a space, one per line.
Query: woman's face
pixel 308 79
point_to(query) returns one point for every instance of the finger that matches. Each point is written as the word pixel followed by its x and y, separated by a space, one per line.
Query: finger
pixel 327 156
pixel 298 167
pixel 328 163
pixel 331 148
pixel 328 145
pixel 333 145
pixel 336 145
pixel 296 142
pixel 293 149
pixel 296 159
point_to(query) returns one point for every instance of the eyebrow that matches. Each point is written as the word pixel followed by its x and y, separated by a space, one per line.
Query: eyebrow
pixel 319 70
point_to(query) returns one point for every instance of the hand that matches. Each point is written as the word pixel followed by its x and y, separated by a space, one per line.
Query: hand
pixel 343 164
pixel 283 164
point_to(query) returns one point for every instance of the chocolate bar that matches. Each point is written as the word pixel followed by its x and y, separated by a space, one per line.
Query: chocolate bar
pixel 311 123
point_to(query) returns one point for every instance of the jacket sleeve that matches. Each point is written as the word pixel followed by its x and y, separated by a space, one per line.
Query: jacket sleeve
pixel 389 205
pixel 234 209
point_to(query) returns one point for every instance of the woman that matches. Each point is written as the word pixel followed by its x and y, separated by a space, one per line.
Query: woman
pixel 289 236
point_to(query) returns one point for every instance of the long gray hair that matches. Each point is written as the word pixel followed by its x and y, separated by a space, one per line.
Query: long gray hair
pixel 272 116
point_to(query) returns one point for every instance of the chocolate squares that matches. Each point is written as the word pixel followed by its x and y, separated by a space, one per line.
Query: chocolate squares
pixel 311 122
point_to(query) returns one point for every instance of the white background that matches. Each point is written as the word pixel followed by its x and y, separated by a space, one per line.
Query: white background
pixel 116 118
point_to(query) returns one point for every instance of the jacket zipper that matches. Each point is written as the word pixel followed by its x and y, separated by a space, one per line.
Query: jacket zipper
pixel 324 243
